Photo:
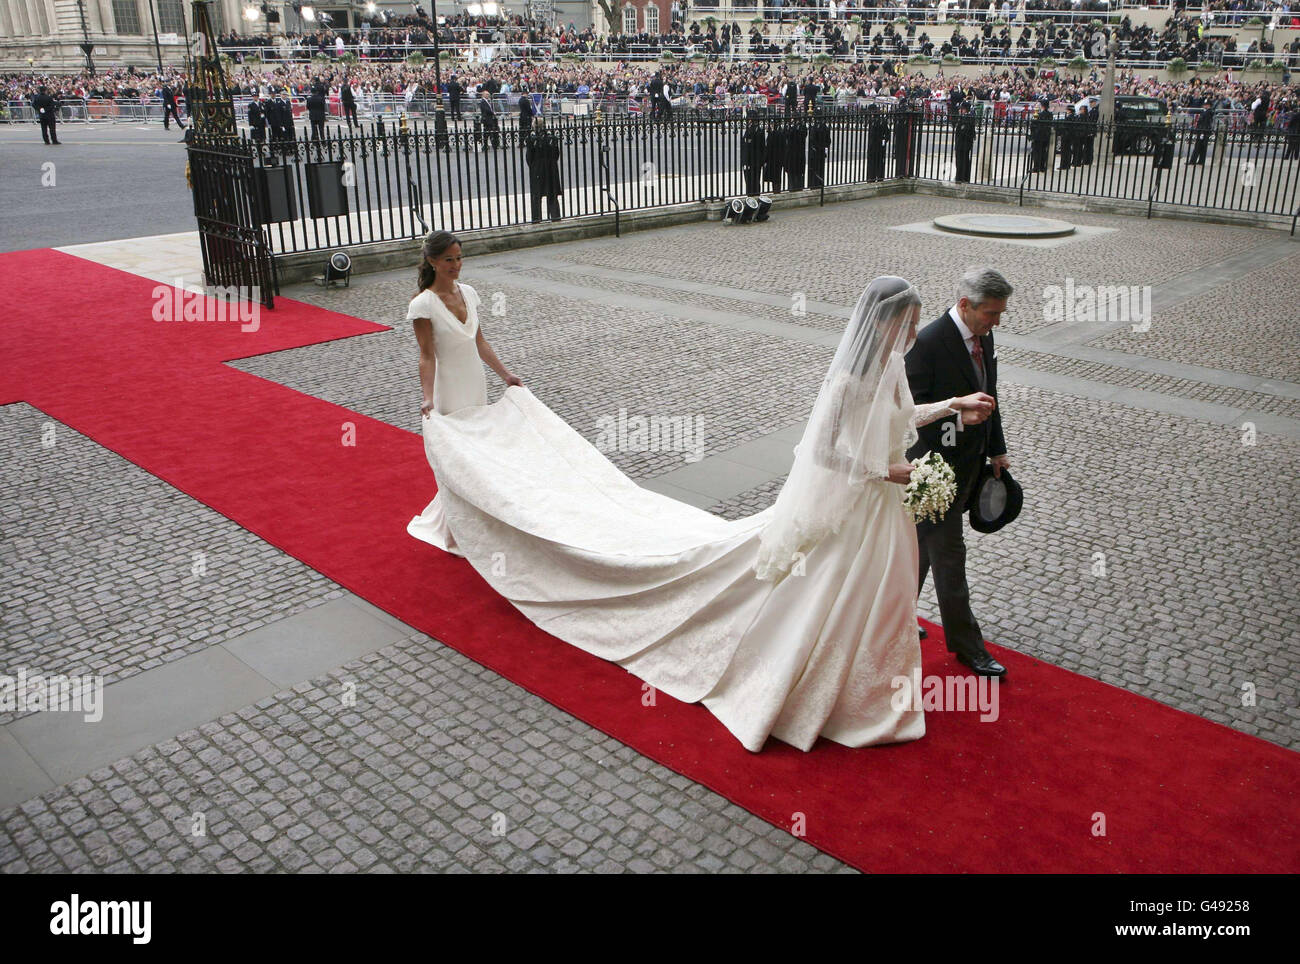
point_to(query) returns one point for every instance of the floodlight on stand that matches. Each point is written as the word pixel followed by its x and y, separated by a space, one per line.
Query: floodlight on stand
pixel 731 214
pixel 338 270
pixel 764 207
pixel 751 209
pixel 308 13
pixel 252 13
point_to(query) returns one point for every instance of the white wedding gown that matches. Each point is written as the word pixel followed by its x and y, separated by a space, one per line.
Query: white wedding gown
pixel 669 592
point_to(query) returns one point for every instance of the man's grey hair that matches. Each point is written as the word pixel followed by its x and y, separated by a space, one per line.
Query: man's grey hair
pixel 977 284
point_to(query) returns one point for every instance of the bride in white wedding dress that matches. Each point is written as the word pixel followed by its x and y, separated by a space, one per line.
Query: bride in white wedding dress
pixel 791 623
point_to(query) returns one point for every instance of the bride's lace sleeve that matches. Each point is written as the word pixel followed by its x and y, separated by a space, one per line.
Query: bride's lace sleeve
pixel 933 411
pixel 839 443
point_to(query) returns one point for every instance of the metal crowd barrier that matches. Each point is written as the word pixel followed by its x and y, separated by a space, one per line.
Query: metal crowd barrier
pixel 94 110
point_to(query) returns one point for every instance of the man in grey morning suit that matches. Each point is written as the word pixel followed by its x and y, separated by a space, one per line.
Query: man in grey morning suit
pixel 954 356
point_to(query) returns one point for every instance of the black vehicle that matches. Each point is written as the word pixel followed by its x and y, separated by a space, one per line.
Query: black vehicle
pixel 1141 125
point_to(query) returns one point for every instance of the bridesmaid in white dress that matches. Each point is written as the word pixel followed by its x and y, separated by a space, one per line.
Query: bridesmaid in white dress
pixel 794 622
pixel 452 352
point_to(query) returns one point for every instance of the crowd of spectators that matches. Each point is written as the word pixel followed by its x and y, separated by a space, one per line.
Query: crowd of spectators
pixel 992 34
pixel 1012 58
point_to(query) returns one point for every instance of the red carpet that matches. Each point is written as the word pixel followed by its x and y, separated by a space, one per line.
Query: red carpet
pixel 1178 793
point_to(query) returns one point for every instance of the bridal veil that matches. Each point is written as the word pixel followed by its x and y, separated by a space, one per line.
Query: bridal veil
pixel 849 435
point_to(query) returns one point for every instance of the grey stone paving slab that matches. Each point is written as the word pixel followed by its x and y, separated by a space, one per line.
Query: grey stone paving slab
pixel 139 712
pixel 698 499
pixel 21 777
pixel 717 476
pixel 771 455
pixel 1137 398
pixel 309 643
pixel 378 613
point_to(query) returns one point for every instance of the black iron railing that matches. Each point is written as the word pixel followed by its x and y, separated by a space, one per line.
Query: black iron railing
pixel 390 182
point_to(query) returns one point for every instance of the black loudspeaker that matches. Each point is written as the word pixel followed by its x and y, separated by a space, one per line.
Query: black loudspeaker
pixel 326 196
pixel 275 190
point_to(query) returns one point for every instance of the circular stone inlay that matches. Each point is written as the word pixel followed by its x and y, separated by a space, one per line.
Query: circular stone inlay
pixel 1004 225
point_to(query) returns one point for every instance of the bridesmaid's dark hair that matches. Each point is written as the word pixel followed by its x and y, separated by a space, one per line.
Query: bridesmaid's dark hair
pixel 435 243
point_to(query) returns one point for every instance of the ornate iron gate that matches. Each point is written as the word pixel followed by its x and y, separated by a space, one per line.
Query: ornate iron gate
pixel 227 202
pixel 228 206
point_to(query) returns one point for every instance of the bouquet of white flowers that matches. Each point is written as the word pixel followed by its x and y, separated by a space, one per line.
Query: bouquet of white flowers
pixel 931 489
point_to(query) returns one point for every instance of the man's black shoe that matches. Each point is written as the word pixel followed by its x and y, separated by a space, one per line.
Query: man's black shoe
pixel 983 664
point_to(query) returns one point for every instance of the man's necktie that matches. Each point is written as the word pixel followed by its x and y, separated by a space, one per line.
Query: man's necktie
pixel 977 356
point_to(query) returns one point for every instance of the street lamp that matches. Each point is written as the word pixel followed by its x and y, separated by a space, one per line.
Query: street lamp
pixel 156 45
pixel 87 47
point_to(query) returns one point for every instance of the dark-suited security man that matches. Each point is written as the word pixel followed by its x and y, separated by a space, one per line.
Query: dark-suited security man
pixel 791 96
pixel 819 146
pixel 526 113
pixel 316 112
pixel 963 138
pixel 1204 127
pixel 877 143
pixel 348 98
pixel 47 112
pixel 954 356
pixel 454 93
pixel 488 114
pixel 1068 138
pixel 169 108
pixel 753 144
pixel 542 152
pixel 1088 136
pixel 1040 138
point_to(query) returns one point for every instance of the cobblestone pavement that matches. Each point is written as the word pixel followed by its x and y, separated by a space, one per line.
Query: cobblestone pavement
pixel 1247 327
pixel 441 765
pixel 1156 551
pixel 1168 385
pixel 829 263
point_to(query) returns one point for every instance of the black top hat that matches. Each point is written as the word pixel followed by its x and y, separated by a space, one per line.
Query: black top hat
pixel 994 501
